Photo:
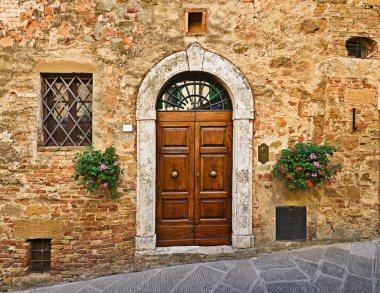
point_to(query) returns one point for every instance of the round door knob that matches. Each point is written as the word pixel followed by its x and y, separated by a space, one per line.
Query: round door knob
pixel 213 173
pixel 174 174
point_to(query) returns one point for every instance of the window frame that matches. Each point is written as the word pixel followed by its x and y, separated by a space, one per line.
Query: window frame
pixel 204 22
pixel 45 137
pixel 46 263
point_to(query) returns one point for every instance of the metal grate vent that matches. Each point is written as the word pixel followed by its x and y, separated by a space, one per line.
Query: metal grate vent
pixel 291 223
pixel 40 255
pixel 195 91
pixel 67 109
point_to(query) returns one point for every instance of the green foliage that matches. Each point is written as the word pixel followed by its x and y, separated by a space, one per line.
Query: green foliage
pixel 96 169
pixel 305 165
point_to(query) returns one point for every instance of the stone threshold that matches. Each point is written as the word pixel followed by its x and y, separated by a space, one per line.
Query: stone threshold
pixel 206 250
pixel 176 255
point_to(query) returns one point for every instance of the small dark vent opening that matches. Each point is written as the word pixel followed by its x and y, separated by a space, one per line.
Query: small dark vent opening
pixel 290 223
pixel 195 22
pixel 40 255
pixel 361 47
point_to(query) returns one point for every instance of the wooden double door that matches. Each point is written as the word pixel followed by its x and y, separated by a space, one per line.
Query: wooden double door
pixel 194 165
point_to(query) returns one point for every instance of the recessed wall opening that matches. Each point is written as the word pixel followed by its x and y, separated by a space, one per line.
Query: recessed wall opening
pixel 291 223
pixel 195 22
pixel 361 47
pixel 40 255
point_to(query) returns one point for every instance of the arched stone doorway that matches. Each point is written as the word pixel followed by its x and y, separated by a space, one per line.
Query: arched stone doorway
pixel 195 59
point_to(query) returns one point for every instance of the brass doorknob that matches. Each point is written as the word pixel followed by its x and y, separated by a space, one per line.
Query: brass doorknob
pixel 213 173
pixel 174 174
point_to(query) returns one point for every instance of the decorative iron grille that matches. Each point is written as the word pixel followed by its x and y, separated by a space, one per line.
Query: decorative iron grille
pixel 195 91
pixel 40 255
pixel 67 109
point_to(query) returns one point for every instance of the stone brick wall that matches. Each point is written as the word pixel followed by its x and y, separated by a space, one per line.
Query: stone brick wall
pixel 293 56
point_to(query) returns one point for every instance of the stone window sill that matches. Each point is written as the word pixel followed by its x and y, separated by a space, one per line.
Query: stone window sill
pixel 60 149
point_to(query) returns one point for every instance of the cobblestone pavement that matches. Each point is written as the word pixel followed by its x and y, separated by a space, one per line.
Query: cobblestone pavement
pixel 335 268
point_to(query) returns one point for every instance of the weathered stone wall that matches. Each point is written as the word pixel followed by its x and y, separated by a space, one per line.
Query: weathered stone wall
pixel 293 56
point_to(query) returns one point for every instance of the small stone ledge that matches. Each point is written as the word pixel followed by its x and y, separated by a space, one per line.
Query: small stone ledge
pixel 60 149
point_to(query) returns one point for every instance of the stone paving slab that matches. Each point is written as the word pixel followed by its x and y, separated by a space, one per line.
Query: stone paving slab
pixel 336 268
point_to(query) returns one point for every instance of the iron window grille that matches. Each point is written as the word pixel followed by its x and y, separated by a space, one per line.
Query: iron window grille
pixel 40 255
pixel 361 47
pixel 67 109
pixel 357 50
pixel 195 91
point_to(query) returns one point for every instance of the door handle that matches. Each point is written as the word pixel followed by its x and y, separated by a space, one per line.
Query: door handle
pixel 197 174
pixel 174 174
pixel 213 173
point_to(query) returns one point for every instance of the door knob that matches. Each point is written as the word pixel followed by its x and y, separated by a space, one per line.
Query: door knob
pixel 213 173
pixel 174 174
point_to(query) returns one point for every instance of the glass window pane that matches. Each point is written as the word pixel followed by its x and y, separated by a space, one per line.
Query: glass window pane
pixel 195 91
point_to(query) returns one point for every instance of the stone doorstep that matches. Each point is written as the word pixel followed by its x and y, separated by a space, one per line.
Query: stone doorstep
pixel 169 256
pixel 205 250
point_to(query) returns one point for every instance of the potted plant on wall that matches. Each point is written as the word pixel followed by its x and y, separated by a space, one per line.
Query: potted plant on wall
pixel 305 165
pixel 96 170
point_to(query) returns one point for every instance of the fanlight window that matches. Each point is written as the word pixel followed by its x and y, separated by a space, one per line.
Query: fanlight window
pixel 197 91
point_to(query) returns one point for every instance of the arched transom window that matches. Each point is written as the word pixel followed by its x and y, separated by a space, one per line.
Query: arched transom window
pixel 194 91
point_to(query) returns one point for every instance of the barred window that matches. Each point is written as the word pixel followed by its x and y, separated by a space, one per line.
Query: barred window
pixel 67 109
pixel 40 255
pixel 361 47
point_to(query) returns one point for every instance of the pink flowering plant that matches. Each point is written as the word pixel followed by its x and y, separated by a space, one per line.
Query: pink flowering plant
pixel 305 165
pixel 96 169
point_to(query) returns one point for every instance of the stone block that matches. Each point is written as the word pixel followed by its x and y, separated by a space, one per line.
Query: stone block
pixel 367 250
pixel 33 229
pixel 360 265
pixel 225 289
pixel 311 109
pixel 259 287
pixel 36 211
pixel 337 255
pixel 166 279
pixel 328 284
pixel 275 275
pixel 307 267
pixel 314 254
pixel 273 261
pixel 373 2
pixel 357 284
pixel 331 269
pixel 10 210
pixel 361 96
pixel 203 279
pixel 304 287
pixel 241 276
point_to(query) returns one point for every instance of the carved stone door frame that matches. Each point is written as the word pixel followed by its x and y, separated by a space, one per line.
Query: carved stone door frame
pixel 195 59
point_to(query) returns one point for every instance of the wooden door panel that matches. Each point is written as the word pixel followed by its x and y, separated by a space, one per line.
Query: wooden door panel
pixel 174 209
pixel 175 136
pixel 213 136
pixel 213 163
pixel 194 207
pixel 213 208
pixel 178 164
pixel 212 234
pixel 175 191
pixel 213 201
